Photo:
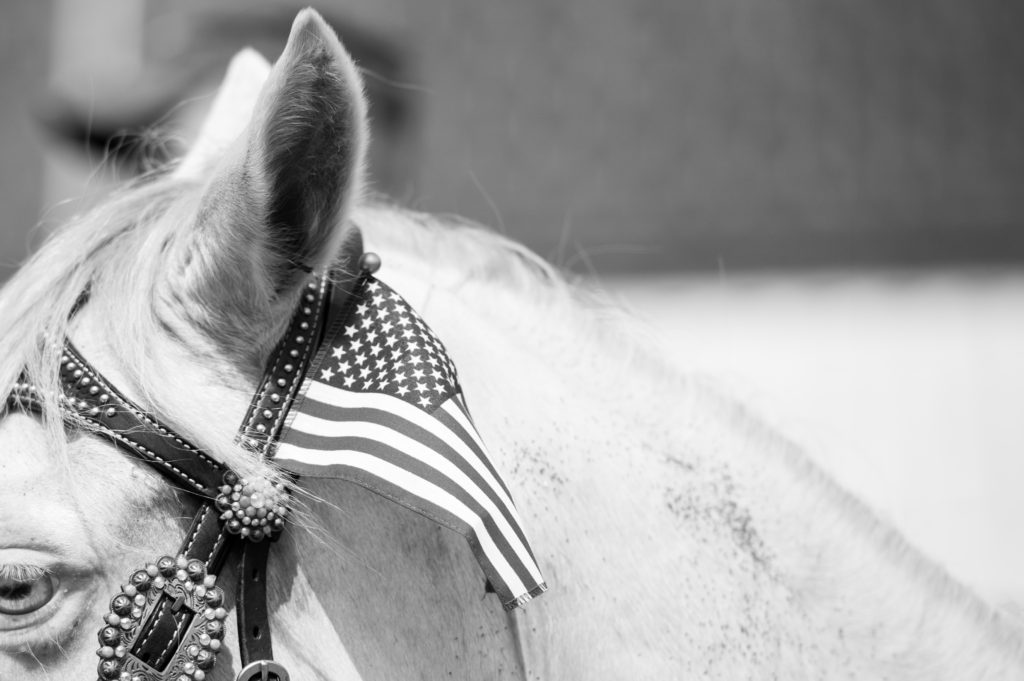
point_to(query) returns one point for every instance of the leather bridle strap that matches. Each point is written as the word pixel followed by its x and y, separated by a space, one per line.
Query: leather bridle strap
pixel 170 612
pixel 92 402
pixel 261 428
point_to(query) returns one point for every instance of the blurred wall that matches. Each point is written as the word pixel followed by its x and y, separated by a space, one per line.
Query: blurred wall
pixel 24 63
pixel 698 134
pixel 732 133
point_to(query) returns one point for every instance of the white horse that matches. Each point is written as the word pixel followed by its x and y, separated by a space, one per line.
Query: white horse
pixel 679 538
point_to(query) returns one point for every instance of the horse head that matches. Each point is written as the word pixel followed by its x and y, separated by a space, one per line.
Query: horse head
pixel 680 537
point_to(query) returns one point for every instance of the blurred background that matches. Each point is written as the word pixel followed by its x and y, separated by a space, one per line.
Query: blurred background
pixel 816 203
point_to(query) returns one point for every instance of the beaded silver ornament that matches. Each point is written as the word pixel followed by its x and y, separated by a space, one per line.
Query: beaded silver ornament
pixel 253 509
pixel 186 585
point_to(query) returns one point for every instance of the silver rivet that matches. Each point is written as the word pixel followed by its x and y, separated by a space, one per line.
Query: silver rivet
pixel 267 414
pixel 78 373
pixel 294 353
pixel 310 297
pixel 94 390
pixel 304 326
pixel 281 382
pixel 369 262
pixel 104 398
pixel 111 412
pixel 86 381
pixel 95 411
pixel 275 398
pixel 260 428
pixel 300 339
pixel 288 368
pixel 307 311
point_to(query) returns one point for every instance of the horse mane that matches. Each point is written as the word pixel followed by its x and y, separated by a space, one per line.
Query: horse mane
pixel 92 250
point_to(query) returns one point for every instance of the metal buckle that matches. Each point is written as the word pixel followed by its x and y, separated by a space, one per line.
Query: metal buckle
pixel 261 670
pixel 179 584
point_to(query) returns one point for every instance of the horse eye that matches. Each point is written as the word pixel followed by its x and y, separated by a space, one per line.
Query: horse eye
pixel 22 595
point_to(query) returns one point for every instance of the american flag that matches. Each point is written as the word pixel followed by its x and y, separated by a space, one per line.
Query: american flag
pixel 382 408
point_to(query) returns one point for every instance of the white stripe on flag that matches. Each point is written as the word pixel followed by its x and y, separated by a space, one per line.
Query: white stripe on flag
pixel 339 397
pixel 459 416
pixel 423 489
pixel 312 425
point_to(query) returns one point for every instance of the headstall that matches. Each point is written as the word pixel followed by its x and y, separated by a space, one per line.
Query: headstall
pixel 167 622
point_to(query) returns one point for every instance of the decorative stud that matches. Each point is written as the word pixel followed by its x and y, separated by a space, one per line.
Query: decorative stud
pixel 369 262
pixel 253 509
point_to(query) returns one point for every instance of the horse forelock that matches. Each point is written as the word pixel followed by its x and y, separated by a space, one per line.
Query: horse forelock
pixel 104 270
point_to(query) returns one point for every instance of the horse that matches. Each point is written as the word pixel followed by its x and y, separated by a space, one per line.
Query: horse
pixel 680 537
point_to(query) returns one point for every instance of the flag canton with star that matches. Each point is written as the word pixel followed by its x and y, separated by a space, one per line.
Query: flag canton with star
pixel 386 347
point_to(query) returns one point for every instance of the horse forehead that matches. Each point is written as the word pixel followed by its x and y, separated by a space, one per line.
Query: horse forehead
pixel 23 450
pixel 34 504
pixel 31 467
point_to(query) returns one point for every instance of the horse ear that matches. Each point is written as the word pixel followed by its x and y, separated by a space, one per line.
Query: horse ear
pixel 274 207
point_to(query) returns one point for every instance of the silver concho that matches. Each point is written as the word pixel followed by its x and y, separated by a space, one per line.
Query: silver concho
pixel 252 509
pixel 186 585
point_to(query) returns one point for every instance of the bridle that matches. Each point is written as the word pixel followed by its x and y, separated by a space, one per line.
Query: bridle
pixel 167 622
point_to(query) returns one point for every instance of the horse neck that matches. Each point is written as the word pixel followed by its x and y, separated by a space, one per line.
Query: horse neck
pixel 855 580
pixel 676 480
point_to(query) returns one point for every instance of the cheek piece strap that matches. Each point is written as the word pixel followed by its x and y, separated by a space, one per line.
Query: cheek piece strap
pixel 167 623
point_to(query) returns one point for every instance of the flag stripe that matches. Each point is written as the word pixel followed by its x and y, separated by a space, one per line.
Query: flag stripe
pixel 439 505
pixel 452 415
pixel 327 421
pixel 341 448
pixel 461 423
pixel 321 396
pixel 385 435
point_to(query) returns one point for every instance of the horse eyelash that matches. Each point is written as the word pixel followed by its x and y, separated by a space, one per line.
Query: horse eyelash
pixel 22 572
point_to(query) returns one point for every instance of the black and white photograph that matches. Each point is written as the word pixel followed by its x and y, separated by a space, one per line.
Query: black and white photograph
pixel 554 340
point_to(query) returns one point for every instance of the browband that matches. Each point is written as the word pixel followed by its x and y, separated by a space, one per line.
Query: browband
pixel 167 622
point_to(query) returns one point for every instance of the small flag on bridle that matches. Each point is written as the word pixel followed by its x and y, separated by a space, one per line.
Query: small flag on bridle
pixel 382 408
